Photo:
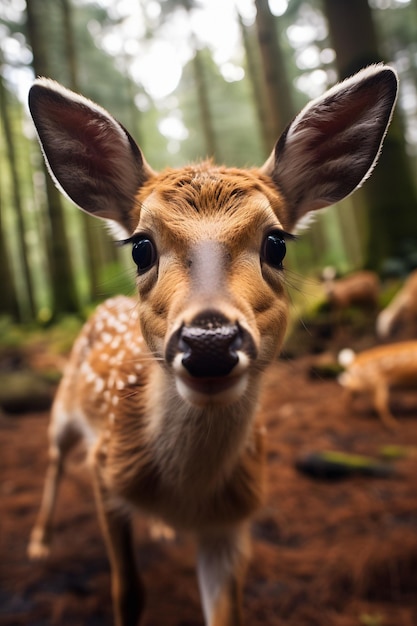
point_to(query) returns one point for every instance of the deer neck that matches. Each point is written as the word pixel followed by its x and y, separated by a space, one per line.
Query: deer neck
pixel 197 446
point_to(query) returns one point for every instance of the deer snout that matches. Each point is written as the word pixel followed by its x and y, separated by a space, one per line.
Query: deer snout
pixel 210 347
pixel 210 356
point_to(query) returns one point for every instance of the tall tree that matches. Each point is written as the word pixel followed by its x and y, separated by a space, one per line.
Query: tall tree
pixel 65 298
pixel 390 193
pixel 233 111
pixel 9 304
pixel 17 199
pixel 90 232
pixel 280 105
pixel 253 66
pixel 203 91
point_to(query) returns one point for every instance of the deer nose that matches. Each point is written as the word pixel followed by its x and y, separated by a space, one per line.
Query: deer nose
pixel 210 345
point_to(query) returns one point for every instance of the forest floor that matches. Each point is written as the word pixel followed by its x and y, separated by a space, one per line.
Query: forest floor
pixel 339 552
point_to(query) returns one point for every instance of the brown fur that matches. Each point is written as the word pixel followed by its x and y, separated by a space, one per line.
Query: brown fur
pixel 399 319
pixel 360 289
pixel 164 391
pixel 377 370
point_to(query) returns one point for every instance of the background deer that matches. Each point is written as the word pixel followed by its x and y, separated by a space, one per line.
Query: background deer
pixel 360 289
pixel 378 370
pixel 399 318
pixel 164 391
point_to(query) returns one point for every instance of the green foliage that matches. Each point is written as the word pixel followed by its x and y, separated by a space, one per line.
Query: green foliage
pixel 370 619
pixel 394 452
pixel 334 464
pixel 58 336
pixel 116 279
pixel 11 334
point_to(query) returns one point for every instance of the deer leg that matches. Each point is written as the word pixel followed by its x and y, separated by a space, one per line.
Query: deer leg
pixel 381 401
pixel 127 589
pixel 60 444
pixel 222 562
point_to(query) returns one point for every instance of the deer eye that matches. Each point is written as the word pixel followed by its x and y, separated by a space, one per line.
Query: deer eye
pixel 144 254
pixel 274 250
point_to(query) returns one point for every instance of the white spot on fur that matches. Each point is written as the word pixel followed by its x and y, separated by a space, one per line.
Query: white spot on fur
pixel 112 378
pixel 106 337
pixel 99 385
pixel 91 376
pixel 115 343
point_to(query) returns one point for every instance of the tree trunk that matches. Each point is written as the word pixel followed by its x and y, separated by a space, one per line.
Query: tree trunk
pixel 253 66
pixel 9 304
pixel 62 277
pixel 17 202
pixel 91 232
pixel 206 116
pixel 390 193
pixel 281 109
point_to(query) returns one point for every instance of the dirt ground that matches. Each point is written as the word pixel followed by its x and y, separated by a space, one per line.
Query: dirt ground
pixel 340 552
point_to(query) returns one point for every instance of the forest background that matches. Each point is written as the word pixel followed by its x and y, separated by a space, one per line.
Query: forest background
pixel 192 79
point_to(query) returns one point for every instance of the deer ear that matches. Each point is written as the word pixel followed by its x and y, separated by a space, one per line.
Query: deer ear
pixel 331 147
pixel 91 157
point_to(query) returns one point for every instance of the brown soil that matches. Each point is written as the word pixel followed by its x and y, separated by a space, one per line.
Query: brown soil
pixel 325 552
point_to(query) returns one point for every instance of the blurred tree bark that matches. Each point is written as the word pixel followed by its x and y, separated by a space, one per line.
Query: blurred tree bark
pixel 280 105
pixel 91 230
pixel 64 293
pixel 9 301
pixel 206 117
pixel 390 192
pixel 257 84
pixel 18 206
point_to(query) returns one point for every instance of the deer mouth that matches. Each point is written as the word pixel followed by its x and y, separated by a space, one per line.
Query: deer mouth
pixel 212 384
pixel 213 390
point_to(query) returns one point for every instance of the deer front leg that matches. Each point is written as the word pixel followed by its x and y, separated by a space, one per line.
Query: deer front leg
pixel 63 438
pixel 127 589
pixel 381 402
pixel 40 537
pixel 221 568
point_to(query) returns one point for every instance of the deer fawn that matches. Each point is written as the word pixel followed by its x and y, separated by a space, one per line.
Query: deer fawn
pixel 377 370
pixel 360 289
pixel 164 391
pixel 399 318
